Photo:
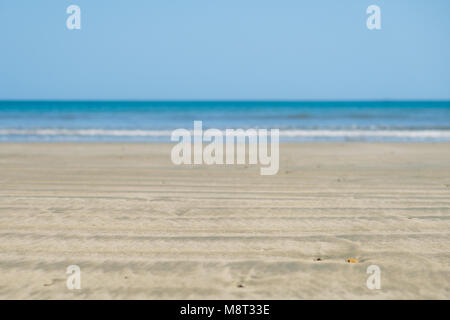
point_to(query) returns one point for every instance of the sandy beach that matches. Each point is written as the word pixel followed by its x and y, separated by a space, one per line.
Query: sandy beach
pixel 140 227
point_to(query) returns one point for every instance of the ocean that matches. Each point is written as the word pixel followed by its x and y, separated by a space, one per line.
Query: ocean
pixel 153 121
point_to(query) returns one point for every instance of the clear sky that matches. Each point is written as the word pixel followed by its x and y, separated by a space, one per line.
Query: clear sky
pixel 225 50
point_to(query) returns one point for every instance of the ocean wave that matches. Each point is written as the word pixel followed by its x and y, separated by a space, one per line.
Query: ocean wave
pixel 366 133
pixel 87 132
pixel 415 134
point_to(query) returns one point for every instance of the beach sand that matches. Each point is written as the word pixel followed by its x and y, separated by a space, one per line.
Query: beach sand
pixel 140 227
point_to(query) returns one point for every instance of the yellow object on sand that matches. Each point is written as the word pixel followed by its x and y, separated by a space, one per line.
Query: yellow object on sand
pixel 351 260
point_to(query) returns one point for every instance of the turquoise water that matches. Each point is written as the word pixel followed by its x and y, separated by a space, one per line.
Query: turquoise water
pixel 35 121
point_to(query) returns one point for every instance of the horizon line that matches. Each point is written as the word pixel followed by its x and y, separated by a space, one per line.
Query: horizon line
pixel 224 100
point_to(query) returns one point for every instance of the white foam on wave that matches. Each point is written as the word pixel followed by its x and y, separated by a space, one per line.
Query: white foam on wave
pixel 366 133
pixel 88 132
pixel 417 134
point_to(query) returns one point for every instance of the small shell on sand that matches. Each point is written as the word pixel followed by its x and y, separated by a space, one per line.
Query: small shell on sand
pixel 352 260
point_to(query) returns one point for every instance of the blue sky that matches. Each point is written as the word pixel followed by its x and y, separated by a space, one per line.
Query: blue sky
pixel 225 50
